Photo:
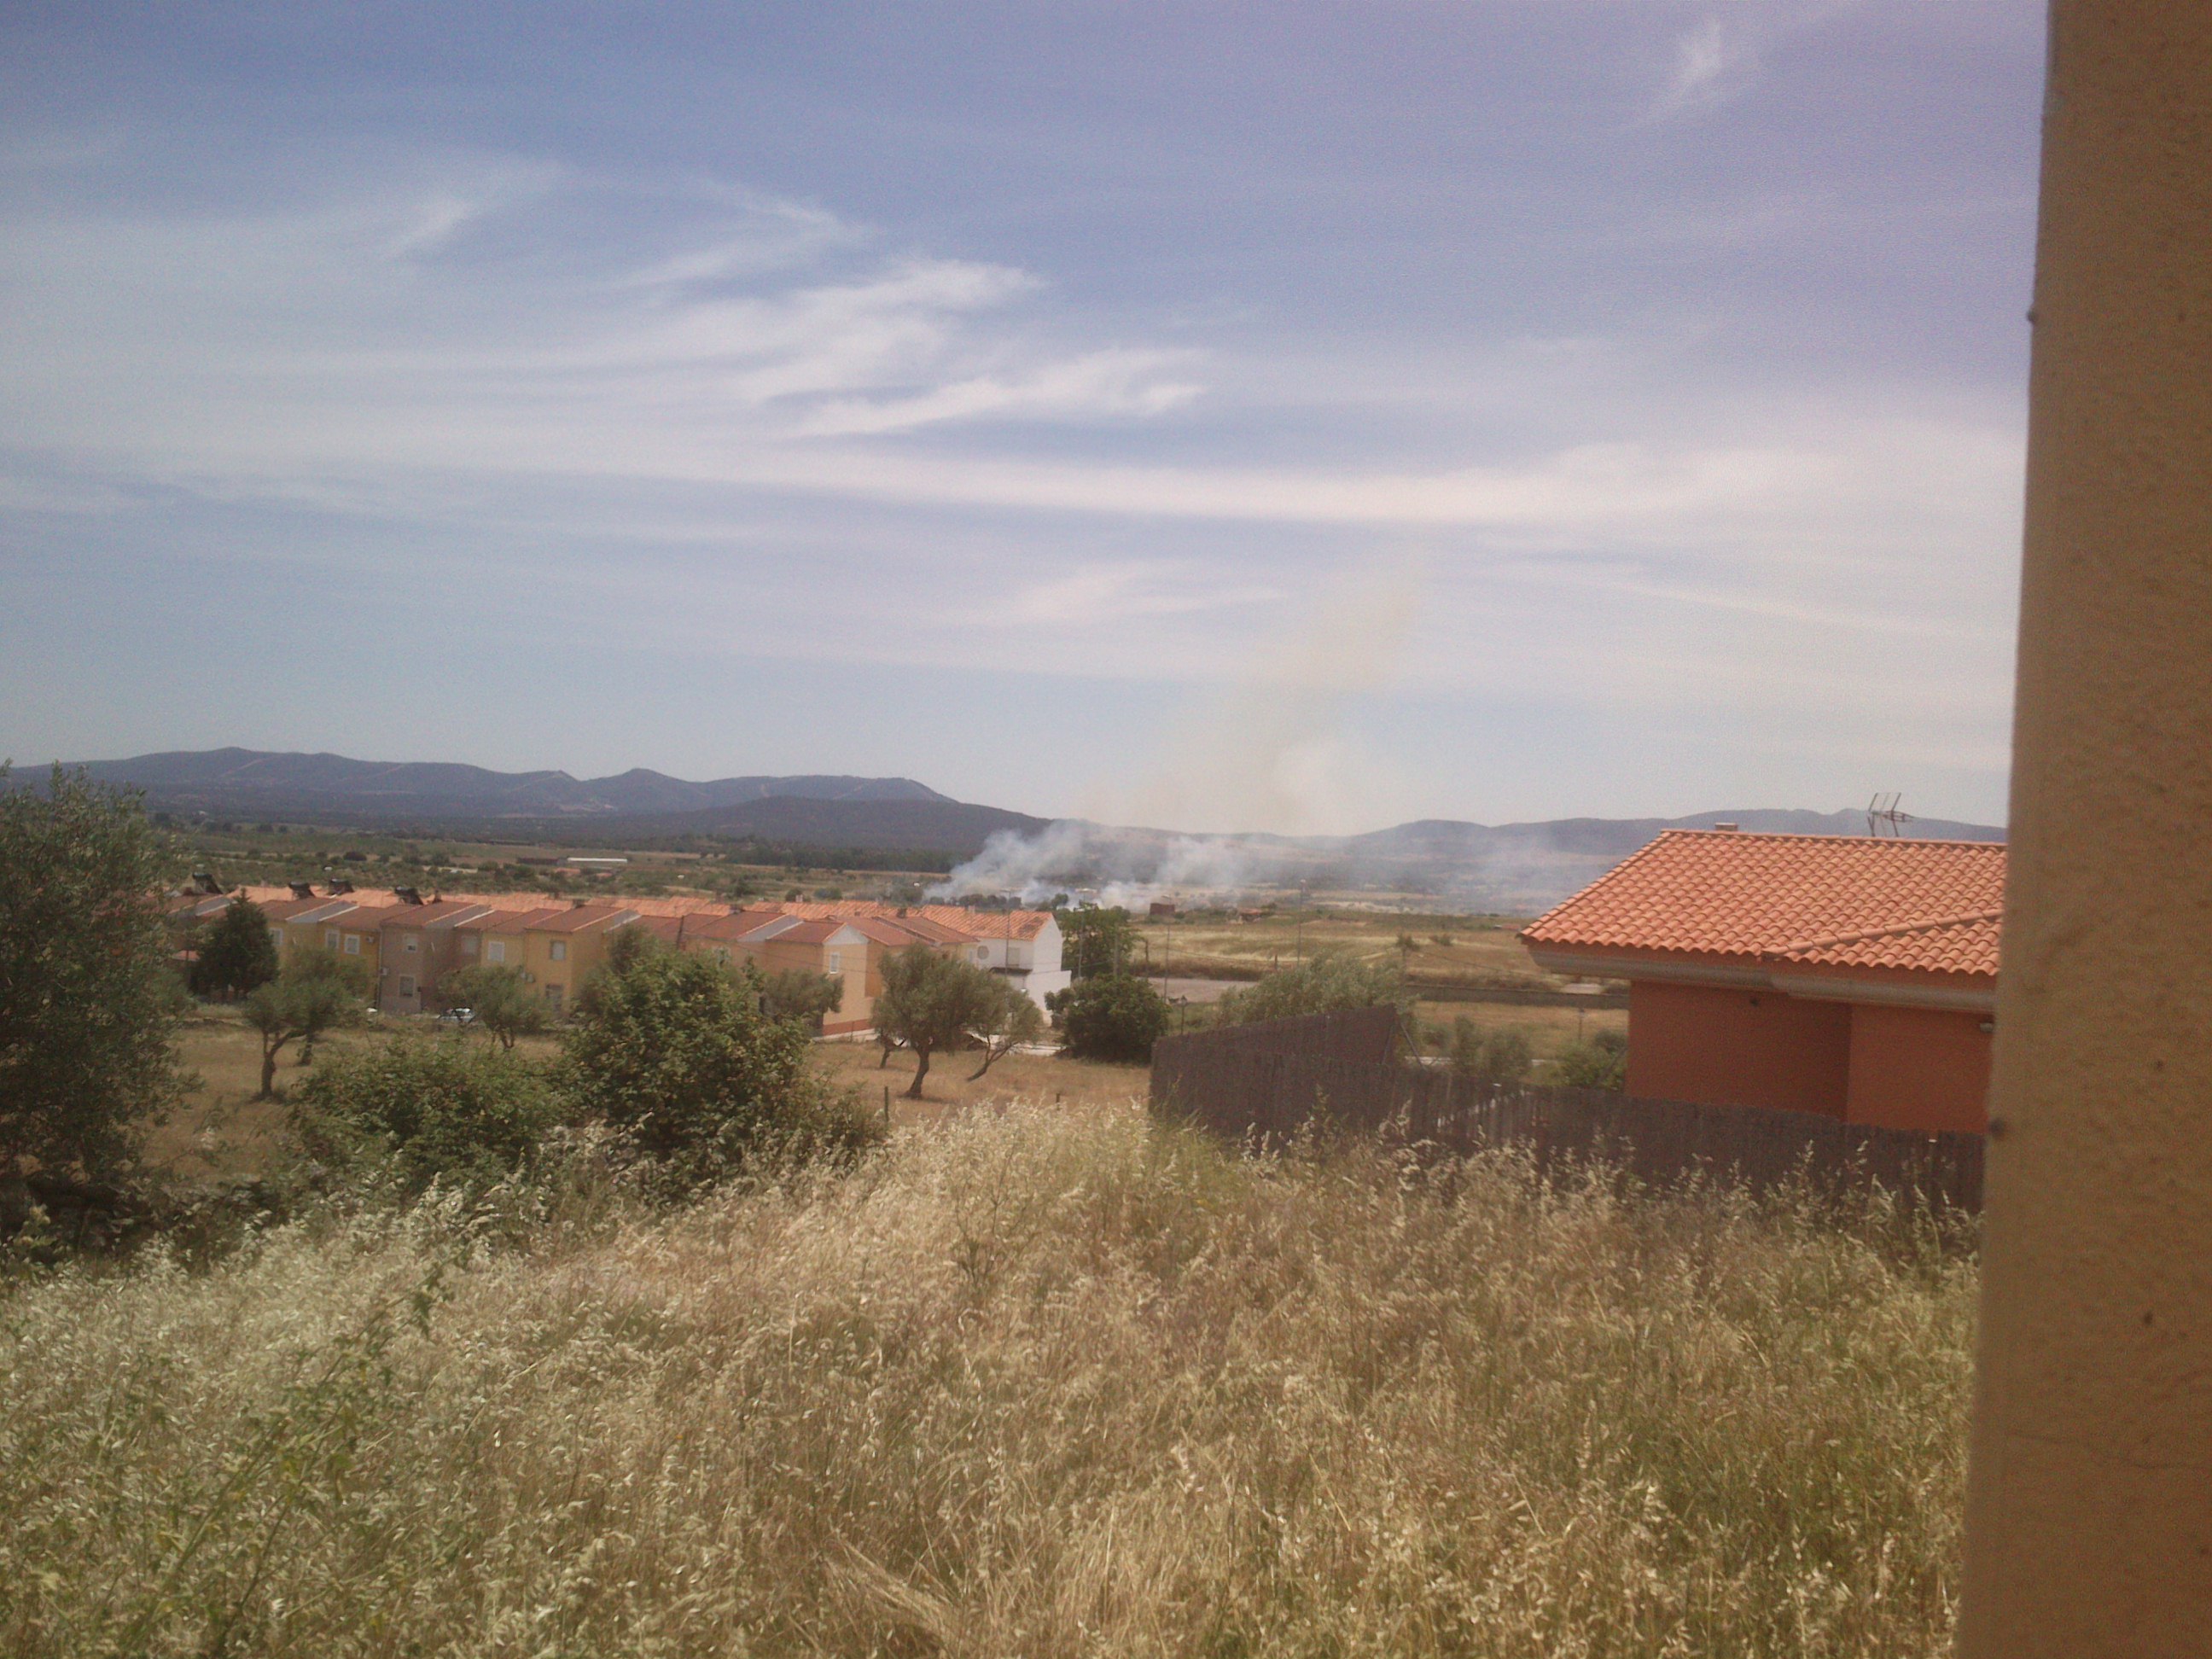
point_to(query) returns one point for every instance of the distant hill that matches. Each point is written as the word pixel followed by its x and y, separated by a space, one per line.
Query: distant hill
pixel 247 780
pixel 1506 866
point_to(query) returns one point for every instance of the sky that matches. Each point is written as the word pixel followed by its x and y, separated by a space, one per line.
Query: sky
pixel 1222 417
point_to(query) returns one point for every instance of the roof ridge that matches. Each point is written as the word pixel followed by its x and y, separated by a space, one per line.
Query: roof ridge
pixel 1926 925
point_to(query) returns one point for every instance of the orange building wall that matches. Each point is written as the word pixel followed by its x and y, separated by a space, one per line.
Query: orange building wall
pixel 1918 1068
pixel 1732 1047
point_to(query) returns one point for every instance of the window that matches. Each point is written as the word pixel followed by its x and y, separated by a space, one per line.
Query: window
pixel 467 945
pixel 352 944
pixel 553 997
pixel 409 939
pixel 496 950
pixel 330 939
pixel 558 950
pixel 407 984
pixel 277 936
pixel 982 955
pixel 836 962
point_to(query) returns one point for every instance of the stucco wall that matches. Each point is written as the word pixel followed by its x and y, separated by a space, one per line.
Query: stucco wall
pixel 2089 1505
pixel 1730 1047
pixel 1918 1068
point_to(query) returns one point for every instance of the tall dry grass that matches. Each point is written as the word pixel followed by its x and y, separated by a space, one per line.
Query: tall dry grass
pixel 1052 1381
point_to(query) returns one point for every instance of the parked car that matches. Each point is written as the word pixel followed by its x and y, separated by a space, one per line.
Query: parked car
pixel 457 1017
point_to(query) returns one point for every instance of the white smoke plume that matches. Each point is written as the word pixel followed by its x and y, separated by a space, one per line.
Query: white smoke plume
pixel 1271 753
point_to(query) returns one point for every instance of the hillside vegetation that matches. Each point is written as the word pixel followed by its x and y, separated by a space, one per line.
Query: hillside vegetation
pixel 1040 1381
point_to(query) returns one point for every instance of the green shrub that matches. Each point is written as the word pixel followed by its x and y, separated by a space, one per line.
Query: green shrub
pixel 235 955
pixel 674 1052
pixel 431 1109
pixel 1502 1060
pixel 1328 983
pixel 1600 1063
pixel 1113 1016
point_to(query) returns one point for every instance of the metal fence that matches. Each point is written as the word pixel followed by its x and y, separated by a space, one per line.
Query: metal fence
pixel 1270 1081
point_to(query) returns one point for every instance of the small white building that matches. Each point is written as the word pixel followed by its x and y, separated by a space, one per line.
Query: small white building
pixel 1023 944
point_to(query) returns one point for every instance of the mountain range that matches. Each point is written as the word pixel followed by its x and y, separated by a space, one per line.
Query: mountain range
pixel 1504 864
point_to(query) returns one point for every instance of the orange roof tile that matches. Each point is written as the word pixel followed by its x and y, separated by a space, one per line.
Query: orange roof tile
pixel 1951 944
pixel 505 921
pixel 580 918
pixel 439 913
pixel 1810 902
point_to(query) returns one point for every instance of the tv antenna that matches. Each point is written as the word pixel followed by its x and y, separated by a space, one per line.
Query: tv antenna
pixel 1883 809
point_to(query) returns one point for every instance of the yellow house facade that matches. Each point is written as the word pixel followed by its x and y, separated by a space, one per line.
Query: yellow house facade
pixel 561 949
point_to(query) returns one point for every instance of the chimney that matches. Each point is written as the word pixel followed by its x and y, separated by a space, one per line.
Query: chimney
pixel 336 888
pixel 1725 826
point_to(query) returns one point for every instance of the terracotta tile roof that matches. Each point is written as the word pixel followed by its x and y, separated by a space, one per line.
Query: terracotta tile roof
pixel 439 913
pixel 1813 901
pixel 1952 945
pixel 367 918
pixel 989 924
pixel 899 933
pixel 581 918
pixel 504 922
pixel 308 909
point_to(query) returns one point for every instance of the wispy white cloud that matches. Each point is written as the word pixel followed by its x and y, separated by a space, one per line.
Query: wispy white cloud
pixel 1708 61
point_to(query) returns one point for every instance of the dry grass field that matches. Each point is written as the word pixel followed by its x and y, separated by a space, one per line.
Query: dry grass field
pixel 220 1129
pixel 1047 1381
pixel 1045 1078
pixel 1480 950
pixel 1548 1030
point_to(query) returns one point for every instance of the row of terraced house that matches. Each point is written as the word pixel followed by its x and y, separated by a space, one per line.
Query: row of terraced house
pixel 408 944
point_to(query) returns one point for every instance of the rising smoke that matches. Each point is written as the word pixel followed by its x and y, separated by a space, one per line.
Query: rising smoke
pixel 1272 754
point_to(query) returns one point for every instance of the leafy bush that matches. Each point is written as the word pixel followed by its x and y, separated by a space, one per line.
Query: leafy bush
pixel 675 1053
pixel 1600 1063
pixel 1329 982
pixel 87 992
pixel 433 1108
pixel 1502 1060
pixel 796 993
pixel 1113 1016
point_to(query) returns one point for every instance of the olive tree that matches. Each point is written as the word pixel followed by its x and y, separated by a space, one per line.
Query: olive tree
pixel 929 1002
pixel 89 992
pixel 317 992
pixel 499 998
pixel 1009 1020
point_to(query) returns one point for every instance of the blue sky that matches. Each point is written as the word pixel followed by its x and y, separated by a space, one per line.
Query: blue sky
pixel 1287 417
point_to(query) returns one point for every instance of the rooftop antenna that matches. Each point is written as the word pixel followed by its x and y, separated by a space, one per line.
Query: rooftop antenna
pixel 1883 809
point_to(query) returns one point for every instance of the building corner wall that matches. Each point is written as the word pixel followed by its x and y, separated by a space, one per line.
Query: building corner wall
pixel 2089 1507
